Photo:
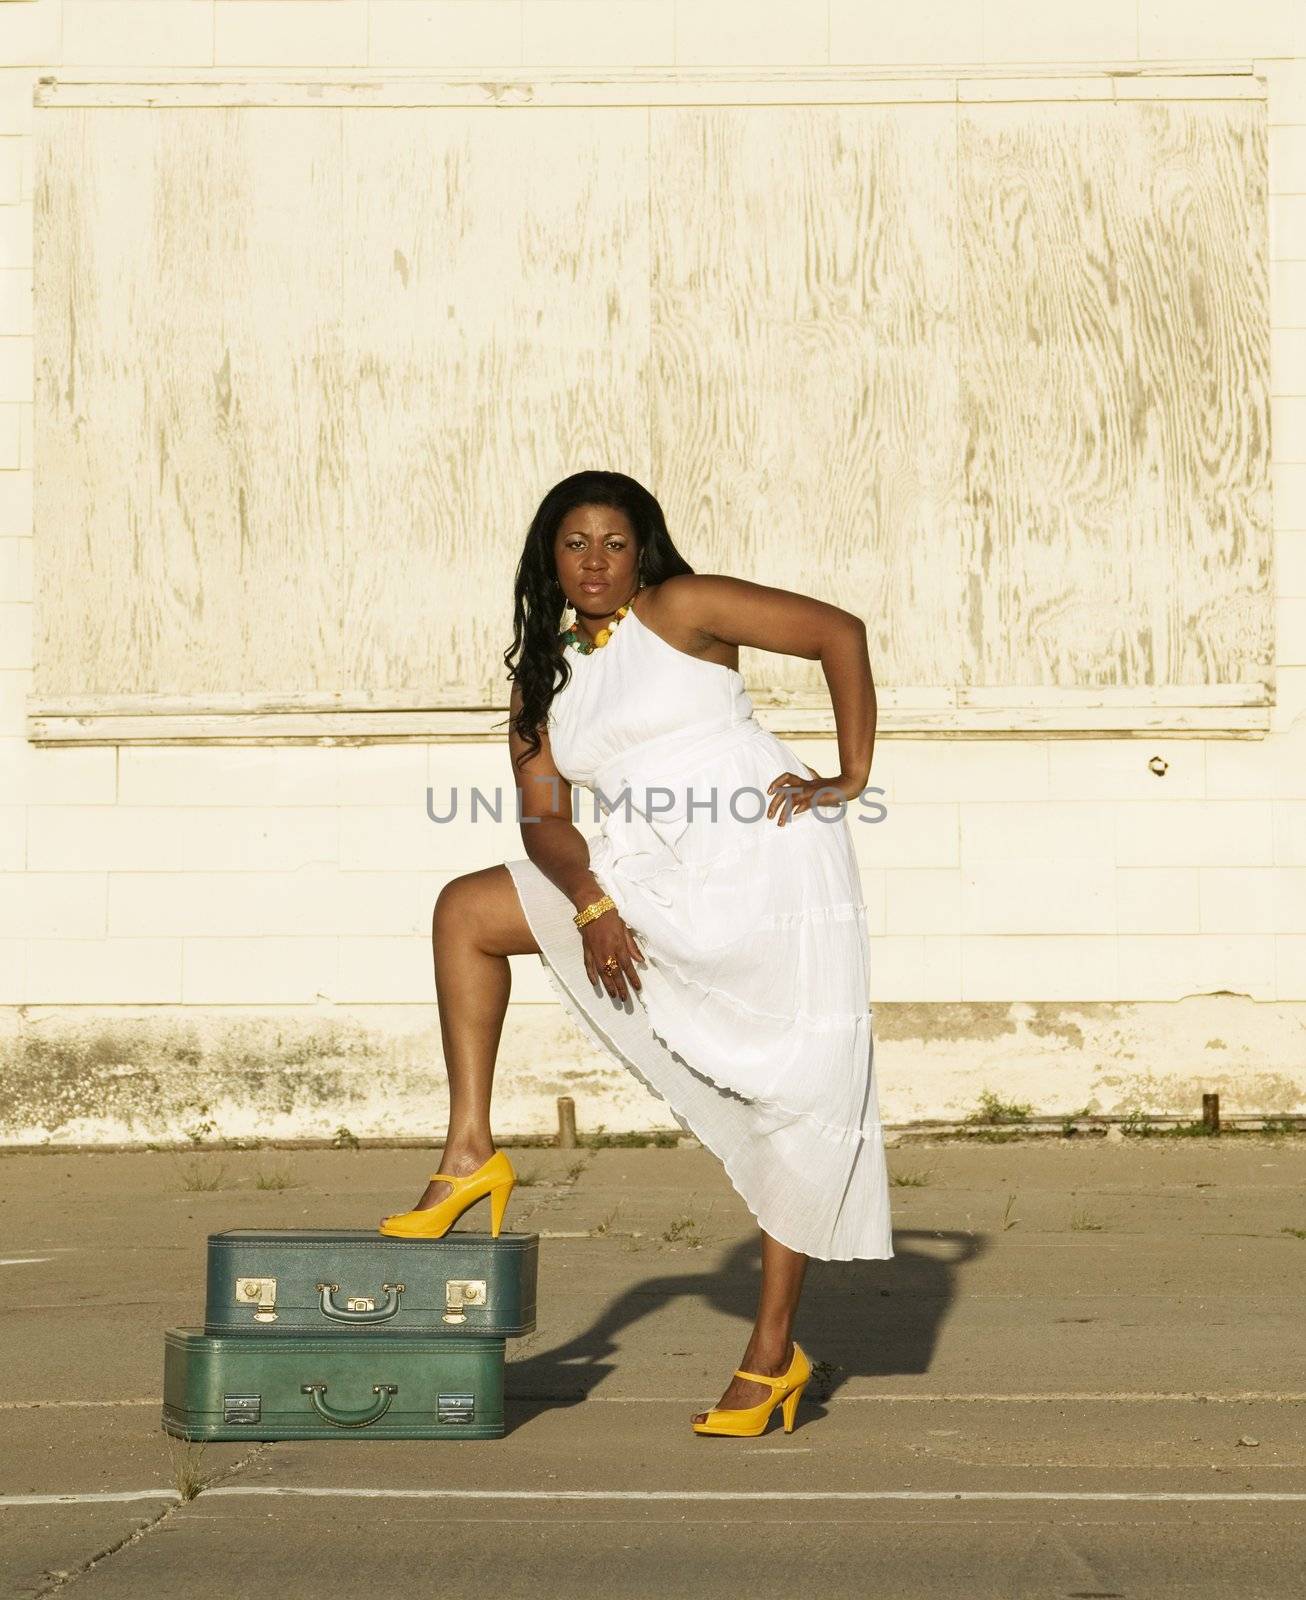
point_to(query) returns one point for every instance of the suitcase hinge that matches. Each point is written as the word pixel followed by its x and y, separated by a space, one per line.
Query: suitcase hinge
pixel 262 1294
pixel 460 1292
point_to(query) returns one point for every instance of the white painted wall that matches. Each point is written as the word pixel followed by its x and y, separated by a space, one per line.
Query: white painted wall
pixel 237 940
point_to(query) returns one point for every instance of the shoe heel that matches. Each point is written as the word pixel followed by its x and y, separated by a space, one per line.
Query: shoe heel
pixel 498 1205
pixel 789 1406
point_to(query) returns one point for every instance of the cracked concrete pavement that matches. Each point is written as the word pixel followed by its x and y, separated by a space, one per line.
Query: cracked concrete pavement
pixel 1070 1332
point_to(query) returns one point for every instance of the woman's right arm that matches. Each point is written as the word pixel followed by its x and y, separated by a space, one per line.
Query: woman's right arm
pixel 559 849
pixel 552 840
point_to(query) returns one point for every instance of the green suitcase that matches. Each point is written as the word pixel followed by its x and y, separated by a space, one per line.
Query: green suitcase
pixel 303 1386
pixel 334 1281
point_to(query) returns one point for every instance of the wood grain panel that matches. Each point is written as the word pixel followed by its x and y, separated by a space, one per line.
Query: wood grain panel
pixel 496 317
pixel 187 490
pixel 1115 386
pixel 804 361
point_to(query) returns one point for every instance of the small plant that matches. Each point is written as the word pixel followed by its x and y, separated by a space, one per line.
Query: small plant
pixel 1135 1124
pixel 201 1176
pixel 576 1168
pixel 682 1231
pixel 527 1176
pixel 659 1139
pixel 1297 1233
pixel 1082 1222
pixel 279 1179
pixel 911 1180
pixel 1193 1130
pixel 994 1109
pixel 204 1129
pixel 605 1226
pixel 188 1476
pixel 344 1139
pixel 1007 1221
pixel 821 1384
pixel 1068 1128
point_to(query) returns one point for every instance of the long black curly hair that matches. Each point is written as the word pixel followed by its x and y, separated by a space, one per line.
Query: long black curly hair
pixel 536 657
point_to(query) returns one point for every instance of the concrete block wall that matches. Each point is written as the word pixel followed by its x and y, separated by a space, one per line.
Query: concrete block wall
pixel 236 941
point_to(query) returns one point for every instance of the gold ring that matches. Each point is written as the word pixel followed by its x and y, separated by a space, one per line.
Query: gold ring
pixel 611 964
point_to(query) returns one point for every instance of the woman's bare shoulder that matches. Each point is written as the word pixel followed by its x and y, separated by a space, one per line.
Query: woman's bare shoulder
pixel 678 608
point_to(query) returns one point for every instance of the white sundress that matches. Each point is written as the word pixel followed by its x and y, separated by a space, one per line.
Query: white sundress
pixel 754 1021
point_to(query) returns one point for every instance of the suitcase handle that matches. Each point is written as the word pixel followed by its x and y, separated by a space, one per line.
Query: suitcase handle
pixel 385 1393
pixel 345 1313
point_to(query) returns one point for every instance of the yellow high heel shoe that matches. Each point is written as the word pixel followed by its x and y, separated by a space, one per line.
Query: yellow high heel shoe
pixel 495 1178
pixel 746 1422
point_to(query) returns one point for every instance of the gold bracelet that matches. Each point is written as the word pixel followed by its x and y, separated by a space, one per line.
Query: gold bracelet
pixel 596 908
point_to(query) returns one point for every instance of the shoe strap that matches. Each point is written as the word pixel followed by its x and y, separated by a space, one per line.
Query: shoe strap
pixel 762 1377
pixel 449 1177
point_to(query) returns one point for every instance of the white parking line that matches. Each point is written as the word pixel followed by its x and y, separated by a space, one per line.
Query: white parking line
pixel 104 1497
pixel 745 1494
pixel 1061 1397
pixel 53 1405
pixel 683 1495
pixel 941 1399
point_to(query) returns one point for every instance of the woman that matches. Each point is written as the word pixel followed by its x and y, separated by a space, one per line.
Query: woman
pixel 712 935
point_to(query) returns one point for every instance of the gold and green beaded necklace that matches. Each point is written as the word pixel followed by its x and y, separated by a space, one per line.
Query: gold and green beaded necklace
pixel 585 646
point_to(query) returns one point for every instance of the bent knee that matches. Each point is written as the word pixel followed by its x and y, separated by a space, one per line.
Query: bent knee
pixel 484 906
pixel 457 899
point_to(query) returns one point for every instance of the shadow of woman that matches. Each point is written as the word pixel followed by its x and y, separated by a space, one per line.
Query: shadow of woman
pixel 856 1319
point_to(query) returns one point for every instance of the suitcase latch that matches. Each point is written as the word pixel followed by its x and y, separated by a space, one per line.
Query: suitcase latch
pixel 241 1408
pixel 460 1292
pixel 455 1407
pixel 360 1303
pixel 261 1293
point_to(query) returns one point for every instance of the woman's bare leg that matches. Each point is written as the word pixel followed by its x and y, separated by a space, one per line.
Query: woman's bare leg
pixel 770 1349
pixel 478 922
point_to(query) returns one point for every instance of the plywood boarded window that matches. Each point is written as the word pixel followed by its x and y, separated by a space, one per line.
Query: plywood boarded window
pixel 987 364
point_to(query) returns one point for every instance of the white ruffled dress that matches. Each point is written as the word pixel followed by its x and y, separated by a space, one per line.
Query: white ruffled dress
pixel 754 1021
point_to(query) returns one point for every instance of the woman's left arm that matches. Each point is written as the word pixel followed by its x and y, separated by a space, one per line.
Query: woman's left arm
pixel 738 612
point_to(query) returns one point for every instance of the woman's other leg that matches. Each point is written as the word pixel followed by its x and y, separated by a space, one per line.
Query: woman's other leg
pixel 770 1349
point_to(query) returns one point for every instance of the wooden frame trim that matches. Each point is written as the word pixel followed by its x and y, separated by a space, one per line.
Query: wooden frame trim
pixel 498 89
pixel 1229 711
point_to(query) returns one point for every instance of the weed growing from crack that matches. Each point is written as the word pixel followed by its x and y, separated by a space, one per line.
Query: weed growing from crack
pixel 683 1230
pixel 279 1179
pixel 200 1176
pixel 188 1475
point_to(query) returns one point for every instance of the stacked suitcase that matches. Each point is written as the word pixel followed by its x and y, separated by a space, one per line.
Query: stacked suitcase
pixel 343 1333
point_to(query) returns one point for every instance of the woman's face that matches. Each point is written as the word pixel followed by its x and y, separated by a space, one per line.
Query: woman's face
pixel 598 559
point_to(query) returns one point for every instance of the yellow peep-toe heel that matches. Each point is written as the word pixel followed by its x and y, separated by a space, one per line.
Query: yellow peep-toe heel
pixel 746 1422
pixel 495 1178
